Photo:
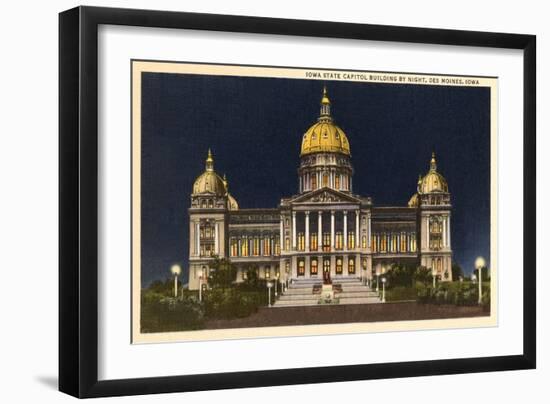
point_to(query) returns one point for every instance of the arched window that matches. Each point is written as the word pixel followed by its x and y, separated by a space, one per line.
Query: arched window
pixel 313 267
pixel 339 266
pixel 326 265
pixel 337 182
pixel 301 268
pixel 364 242
pixel 351 266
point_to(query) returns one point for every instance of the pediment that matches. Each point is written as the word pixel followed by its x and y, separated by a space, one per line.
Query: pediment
pixel 325 195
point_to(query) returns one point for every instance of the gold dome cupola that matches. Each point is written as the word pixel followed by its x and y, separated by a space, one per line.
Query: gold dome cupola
pixel 432 181
pixel 209 182
pixel 325 135
pixel 325 154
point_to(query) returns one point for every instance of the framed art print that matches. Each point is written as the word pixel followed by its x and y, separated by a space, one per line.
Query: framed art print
pixel 327 195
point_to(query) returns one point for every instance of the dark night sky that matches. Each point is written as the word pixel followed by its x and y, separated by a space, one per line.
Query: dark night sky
pixel 255 126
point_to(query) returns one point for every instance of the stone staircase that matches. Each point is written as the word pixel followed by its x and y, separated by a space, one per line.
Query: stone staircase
pixel 349 290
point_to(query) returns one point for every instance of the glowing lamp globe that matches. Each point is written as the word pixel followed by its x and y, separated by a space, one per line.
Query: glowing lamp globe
pixel 480 263
pixel 176 269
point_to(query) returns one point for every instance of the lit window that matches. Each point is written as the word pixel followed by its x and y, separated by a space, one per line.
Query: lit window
pixel 301 268
pixel 313 242
pixel 326 241
pixel 301 241
pixel 313 267
pixel 325 180
pixel 351 240
pixel 351 266
pixel 234 247
pixel 339 241
pixel 338 265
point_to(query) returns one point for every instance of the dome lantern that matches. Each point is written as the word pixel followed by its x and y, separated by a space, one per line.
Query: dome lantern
pixel 209 161
pixel 325 106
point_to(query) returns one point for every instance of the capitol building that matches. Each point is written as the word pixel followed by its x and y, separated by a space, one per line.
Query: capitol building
pixel 325 231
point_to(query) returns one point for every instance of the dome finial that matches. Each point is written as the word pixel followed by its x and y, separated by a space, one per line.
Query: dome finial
pixel 325 104
pixel 433 163
pixel 209 161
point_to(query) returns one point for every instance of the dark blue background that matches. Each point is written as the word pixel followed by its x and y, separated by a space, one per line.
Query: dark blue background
pixel 254 127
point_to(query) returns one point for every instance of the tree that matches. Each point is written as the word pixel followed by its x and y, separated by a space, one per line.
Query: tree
pixel 223 273
pixel 457 272
pixel 400 275
pixel 423 275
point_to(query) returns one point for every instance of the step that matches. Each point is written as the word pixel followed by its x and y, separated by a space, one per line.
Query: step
pixel 359 300
pixel 357 294
pixel 303 302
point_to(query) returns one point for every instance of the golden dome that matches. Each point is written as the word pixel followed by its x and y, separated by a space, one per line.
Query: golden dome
pixel 209 182
pixel 432 181
pixel 413 202
pixel 325 135
pixel 232 203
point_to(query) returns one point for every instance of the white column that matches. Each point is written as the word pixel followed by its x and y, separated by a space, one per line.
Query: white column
pixel 197 238
pixel 356 228
pixel 332 230
pixel 281 231
pixel 445 232
pixel 261 242
pixel 307 231
pixel 294 230
pixel 427 233
pixel 320 231
pixel 345 230
pixel 449 231
pixel 216 239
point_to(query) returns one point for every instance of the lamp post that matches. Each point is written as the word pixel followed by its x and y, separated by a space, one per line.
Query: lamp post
pixel 383 289
pixel 433 278
pixel 269 286
pixel 377 279
pixel 276 283
pixel 479 265
pixel 176 270
pixel 200 285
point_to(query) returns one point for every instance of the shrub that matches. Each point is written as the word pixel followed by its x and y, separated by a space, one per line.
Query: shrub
pixel 161 314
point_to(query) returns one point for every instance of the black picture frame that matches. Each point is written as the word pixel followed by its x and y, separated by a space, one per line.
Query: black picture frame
pixel 78 201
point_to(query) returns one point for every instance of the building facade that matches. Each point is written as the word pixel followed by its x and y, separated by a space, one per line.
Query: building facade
pixel 325 230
